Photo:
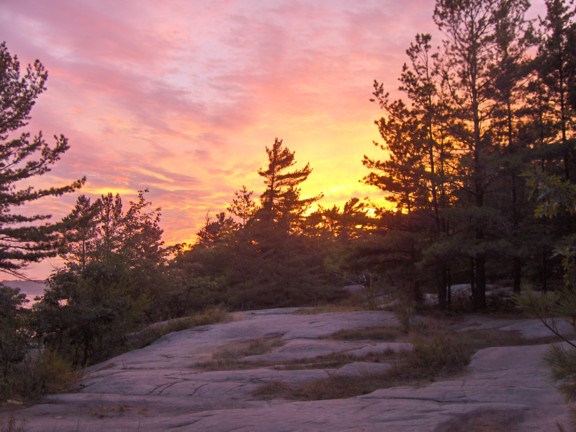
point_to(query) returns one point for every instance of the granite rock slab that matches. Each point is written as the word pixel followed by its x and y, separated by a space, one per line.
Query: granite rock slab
pixel 163 388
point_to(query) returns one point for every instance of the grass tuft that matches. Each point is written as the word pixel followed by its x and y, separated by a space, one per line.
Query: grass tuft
pixel 439 356
pixel 274 390
pixel 381 334
pixel 331 308
pixel 434 357
pixel 230 356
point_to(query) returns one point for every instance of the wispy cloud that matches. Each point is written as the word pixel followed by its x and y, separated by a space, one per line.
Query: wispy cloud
pixel 182 96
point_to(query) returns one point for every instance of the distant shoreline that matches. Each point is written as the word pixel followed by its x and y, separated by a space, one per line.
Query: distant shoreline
pixel 32 288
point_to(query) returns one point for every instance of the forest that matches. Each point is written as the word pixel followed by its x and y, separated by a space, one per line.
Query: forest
pixel 477 163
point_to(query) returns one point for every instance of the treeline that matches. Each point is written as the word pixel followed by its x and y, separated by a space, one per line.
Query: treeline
pixel 477 148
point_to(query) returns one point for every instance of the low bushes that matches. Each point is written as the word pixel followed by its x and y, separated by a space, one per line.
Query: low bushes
pixel 42 372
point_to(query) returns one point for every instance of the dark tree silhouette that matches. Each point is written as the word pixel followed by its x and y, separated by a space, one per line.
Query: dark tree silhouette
pixel 24 238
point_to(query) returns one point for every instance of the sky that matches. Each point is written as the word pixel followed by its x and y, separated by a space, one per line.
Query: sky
pixel 181 97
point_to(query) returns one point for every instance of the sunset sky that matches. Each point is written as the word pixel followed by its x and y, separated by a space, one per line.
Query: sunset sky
pixel 182 96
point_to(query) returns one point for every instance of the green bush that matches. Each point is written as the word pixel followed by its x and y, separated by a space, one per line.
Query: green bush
pixel 50 373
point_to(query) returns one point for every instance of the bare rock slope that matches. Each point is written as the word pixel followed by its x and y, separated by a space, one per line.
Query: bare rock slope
pixel 161 387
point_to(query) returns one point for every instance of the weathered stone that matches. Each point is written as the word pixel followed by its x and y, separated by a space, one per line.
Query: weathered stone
pixel 162 388
pixel 362 368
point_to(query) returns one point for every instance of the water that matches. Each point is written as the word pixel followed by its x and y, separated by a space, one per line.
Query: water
pixel 32 288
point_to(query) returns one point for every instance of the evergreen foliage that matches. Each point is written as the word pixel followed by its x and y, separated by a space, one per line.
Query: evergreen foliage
pixel 24 238
pixel 261 255
pixel 113 281
pixel 464 141
pixel 13 341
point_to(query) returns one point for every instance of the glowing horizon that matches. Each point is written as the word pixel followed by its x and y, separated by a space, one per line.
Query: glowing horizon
pixel 182 97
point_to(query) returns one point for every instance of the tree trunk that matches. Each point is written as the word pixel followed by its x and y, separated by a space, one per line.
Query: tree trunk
pixel 479 292
pixel 516 274
pixel 442 284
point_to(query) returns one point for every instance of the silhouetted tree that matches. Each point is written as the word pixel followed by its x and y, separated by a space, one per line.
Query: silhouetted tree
pixel 480 60
pixel 555 71
pixel 14 340
pixel 24 238
pixel 281 202
pixel 79 231
pixel 417 174
pixel 243 206
pixel 218 232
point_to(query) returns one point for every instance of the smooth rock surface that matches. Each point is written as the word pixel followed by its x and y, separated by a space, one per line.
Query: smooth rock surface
pixel 161 387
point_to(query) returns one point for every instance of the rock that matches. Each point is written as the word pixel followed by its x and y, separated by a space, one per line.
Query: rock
pixel 354 289
pixel 528 328
pixel 161 387
pixel 362 368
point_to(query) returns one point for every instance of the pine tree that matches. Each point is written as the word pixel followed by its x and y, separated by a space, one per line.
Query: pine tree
pixel 243 206
pixel 142 243
pixel 513 38
pixel 553 64
pixel 341 225
pixel 281 203
pixel 480 57
pixel 416 174
pixel 218 232
pixel 401 176
pixel 114 278
pixel 110 232
pixel 79 232
pixel 24 238
pixel 270 261
pixel 14 341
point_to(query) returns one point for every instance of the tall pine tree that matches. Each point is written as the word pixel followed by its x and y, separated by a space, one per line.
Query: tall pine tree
pixel 24 238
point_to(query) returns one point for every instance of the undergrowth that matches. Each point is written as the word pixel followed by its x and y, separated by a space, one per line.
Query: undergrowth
pixel 380 334
pixel 331 308
pixel 42 372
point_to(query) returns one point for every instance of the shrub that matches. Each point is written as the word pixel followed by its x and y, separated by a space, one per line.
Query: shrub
pixel 50 373
pixel 388 334
pixel 404 312
pixel 39 374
